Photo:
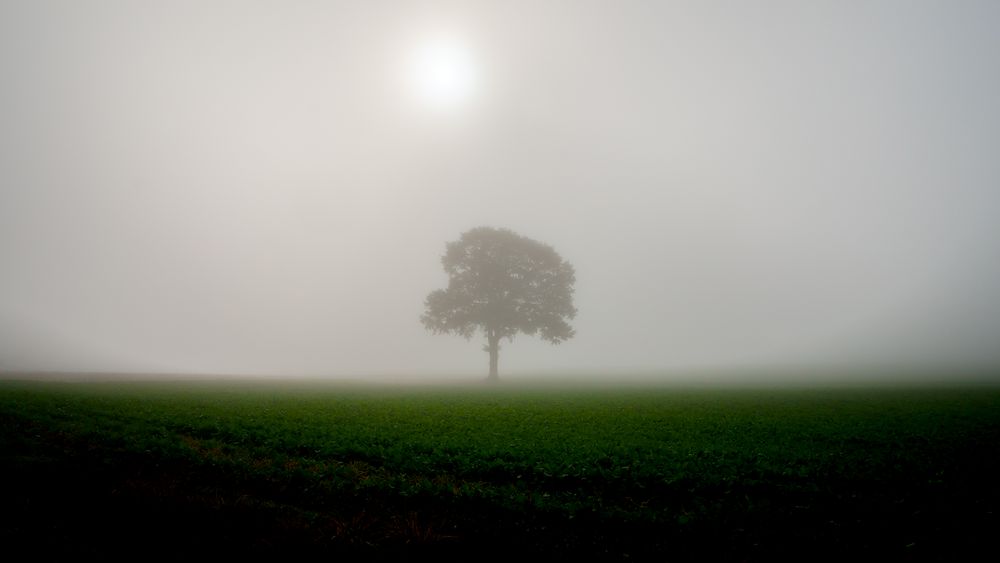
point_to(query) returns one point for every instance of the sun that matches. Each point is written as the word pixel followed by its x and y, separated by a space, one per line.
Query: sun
pixel 443 73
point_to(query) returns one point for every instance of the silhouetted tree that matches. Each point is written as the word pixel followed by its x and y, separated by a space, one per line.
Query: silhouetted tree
pixel 502 283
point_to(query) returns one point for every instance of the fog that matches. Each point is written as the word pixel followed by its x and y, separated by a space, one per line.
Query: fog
pixel 264 187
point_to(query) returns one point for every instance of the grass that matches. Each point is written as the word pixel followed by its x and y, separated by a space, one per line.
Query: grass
pixel 261 469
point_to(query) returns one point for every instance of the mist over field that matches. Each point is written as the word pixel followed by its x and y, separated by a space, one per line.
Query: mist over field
pixel 267 188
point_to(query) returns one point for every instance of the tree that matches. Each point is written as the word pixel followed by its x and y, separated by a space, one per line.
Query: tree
pixel 502 283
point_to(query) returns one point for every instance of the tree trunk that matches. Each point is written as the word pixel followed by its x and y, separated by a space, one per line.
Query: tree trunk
pixel 494 345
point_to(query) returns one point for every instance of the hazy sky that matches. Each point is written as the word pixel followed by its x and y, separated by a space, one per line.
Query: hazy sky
pixel 265 187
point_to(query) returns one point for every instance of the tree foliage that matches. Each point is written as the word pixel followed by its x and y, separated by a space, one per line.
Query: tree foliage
pixel 502 284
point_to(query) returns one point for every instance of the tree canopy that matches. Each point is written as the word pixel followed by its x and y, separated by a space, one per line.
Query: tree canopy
pixel 502 284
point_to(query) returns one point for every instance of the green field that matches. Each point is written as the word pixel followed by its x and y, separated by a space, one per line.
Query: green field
pixel 263 469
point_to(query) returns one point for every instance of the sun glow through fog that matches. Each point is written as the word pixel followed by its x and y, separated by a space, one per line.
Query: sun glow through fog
pixel 443 73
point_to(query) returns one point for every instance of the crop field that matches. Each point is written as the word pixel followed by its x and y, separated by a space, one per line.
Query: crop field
pixel 269 469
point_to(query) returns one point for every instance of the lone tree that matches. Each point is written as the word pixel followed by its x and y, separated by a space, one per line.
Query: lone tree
pixel 502 283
